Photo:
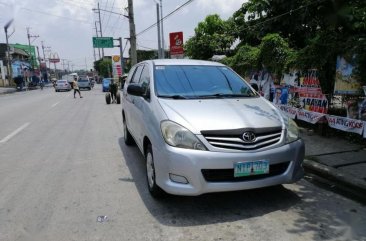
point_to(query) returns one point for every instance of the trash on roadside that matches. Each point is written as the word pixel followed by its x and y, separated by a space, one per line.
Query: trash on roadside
pixel 102 219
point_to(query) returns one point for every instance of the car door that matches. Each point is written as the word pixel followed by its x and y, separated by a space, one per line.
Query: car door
pixel 142 105
pixel 129 106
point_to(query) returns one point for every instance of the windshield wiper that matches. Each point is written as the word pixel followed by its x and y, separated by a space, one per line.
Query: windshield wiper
pixel 176 97
pixel 220 95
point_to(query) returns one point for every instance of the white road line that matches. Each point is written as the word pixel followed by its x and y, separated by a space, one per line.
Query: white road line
pixel 11 135
pixel 55 104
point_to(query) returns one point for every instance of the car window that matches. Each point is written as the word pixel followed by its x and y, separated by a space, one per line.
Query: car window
pixel 136 76
pixel 200 81
pixel 145 79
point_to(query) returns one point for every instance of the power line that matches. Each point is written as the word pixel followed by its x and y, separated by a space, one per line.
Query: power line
pixel 166 16
pixel 109 16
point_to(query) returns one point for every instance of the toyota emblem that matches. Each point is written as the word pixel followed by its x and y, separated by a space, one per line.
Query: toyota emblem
pixel 249 137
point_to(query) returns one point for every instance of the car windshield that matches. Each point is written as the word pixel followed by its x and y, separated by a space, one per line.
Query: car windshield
pixel 199 81
pixel 106 81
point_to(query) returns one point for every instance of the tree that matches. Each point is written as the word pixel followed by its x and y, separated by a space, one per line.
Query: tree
pixel 104 67
pixel 211 37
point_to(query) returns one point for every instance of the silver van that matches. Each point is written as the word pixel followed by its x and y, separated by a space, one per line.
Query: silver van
pixel 202 128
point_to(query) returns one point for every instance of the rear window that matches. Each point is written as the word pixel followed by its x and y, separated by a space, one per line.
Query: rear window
pixel 106 81
pixel 83 80
pixel 61 82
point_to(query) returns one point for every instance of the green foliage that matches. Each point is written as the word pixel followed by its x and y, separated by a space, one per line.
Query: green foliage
pixel 245 59
pixel 146 55
pixel 104 67
pixel 274 53
pixel 212 36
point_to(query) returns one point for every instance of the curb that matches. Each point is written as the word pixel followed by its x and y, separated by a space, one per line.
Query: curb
pixel 7 92
pixel 332 174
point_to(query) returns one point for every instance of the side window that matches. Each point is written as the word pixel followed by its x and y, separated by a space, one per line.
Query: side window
pixel 145 79
pixel 130 75
pixel 136 76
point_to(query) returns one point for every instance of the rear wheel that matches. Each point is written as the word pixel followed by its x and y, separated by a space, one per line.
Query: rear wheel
pixel 127 135
pixel 154 189
pixel 108 98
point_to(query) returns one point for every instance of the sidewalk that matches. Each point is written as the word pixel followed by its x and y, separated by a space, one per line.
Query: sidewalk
pixel 7 90
pixel 337 160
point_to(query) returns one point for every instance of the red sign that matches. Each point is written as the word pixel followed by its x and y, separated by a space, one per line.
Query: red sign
pixel 176 43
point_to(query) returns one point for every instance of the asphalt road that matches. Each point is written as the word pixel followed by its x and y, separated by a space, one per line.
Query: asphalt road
pixel 63 163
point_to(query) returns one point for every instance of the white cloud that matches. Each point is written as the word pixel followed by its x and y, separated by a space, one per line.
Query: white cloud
pixel 225 7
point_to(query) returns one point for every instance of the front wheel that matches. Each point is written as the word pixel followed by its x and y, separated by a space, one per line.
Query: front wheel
pixel 154 189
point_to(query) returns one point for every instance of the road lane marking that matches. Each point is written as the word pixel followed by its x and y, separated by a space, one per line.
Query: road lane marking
pixel 55 104
pixel 11 135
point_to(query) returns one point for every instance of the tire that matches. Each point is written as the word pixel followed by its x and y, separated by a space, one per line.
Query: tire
pixel 154 189
pixel 108 98
pixel 118 98
pixel 129 141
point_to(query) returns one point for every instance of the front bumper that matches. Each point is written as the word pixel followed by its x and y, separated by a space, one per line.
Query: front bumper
pixel 190 163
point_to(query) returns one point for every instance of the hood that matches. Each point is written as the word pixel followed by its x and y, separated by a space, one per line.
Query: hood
pixel 222 114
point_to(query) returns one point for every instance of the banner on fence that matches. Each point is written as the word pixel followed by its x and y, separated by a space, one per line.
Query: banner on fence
pixel 309 116
pixel 288 111
pixel 346 124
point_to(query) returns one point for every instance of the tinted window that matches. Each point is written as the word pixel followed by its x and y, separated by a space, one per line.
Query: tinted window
pixel 83 80
pixel 199 81
pixel 136 76
pixel 145 78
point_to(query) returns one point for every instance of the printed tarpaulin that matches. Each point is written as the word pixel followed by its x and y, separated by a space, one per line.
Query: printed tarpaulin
pixel 346 124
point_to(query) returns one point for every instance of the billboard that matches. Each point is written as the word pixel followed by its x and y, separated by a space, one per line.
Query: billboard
pixel 346 81
pixel 176 44
pixel 29 50
pixel 116 66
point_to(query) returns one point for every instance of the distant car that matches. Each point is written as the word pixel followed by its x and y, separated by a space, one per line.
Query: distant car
pixel 62 85
pixel 84 84
pixel 105 84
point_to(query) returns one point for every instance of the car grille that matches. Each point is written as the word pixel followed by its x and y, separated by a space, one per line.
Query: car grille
pixel 227 175
pixel 232 139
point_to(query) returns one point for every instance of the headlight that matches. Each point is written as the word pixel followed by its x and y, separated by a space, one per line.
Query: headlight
pixel 178 136
pixel 292 131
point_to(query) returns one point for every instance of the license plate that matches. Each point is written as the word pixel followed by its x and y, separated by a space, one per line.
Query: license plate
pixel 242 169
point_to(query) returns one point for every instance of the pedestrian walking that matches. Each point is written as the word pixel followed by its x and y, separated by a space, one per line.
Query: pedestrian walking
pixel 76 88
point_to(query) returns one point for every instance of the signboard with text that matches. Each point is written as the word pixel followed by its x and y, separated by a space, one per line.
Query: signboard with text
pixel 103 42
pixel 176 44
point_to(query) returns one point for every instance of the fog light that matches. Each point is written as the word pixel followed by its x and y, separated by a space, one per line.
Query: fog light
pixel 177 178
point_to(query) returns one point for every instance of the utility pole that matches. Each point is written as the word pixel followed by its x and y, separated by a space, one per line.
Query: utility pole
pixel 132 33
pixel 8 59
pixel 29 44
pixel 86 66
pixel 100 28
pixel 162 30
pixel 159 35
pixel 96 34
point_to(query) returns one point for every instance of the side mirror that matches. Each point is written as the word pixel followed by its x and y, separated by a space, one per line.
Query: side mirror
pixel 135 89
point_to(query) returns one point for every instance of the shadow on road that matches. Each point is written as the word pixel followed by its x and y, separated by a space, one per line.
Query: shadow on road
pixel 209 208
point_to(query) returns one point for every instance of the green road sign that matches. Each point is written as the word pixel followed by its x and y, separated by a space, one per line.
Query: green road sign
pixel 103 42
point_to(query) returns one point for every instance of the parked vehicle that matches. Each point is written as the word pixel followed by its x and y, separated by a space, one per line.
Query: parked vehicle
pixel 202 128
pixel 62 85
